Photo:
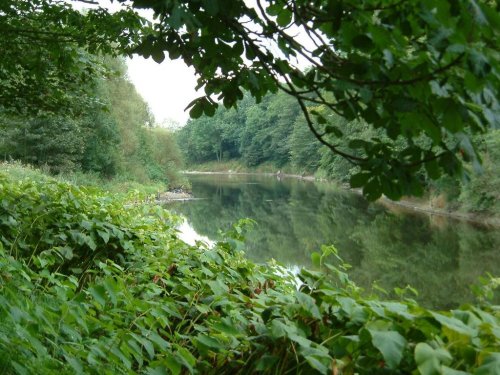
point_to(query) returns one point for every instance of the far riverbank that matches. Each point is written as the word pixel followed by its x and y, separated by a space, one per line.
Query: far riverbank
pixel 410 204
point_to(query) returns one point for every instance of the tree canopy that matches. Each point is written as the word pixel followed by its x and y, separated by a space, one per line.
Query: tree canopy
pixel 424 72
pixel 48 52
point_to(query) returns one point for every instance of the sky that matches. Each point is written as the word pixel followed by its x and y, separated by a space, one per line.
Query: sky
pixel 167 87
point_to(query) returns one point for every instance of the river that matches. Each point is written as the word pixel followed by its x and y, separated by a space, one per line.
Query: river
pixel 387 248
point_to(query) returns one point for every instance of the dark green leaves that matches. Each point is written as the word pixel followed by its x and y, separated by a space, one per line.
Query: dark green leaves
pixel 391 344
pixel 202 106
pixel 148 316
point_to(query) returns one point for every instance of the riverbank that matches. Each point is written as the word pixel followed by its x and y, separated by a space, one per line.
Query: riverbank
pixel 424 206
pixel 92 286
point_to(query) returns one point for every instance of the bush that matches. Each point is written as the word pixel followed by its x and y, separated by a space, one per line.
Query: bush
pixel 93 284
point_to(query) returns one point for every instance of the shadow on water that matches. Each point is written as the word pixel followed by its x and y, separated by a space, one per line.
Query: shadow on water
pixel 441 260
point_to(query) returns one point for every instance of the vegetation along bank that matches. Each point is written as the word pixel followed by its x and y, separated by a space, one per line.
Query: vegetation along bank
pixel 399 96
pixel 89 286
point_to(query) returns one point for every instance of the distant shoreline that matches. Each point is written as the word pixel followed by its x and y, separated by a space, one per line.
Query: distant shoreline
pixel 473 218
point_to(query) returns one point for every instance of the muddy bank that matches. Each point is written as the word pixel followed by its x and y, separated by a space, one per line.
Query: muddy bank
pixel 433 211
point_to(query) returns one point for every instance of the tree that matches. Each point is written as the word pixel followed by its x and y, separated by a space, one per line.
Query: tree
pixel 49 53
pixel 413 69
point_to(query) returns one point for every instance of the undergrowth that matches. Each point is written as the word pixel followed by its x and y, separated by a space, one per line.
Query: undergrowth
pixel 90 283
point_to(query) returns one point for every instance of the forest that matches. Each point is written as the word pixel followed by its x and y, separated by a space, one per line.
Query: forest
pixel 397 98
pixel 110 137
pixel 272 136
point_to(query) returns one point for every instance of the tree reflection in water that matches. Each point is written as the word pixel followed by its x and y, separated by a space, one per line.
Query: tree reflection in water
pixel 390 249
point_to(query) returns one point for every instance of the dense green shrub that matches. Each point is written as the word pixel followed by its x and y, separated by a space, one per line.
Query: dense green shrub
pixel 96 284
pixel 114 136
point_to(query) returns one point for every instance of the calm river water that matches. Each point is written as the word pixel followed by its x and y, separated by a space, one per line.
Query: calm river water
pixel 439 257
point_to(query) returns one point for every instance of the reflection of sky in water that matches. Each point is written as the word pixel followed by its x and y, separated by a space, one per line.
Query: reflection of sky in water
pixel 190 236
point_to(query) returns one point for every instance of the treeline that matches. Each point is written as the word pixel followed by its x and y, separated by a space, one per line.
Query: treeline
pixel 109 132
pixel 274 132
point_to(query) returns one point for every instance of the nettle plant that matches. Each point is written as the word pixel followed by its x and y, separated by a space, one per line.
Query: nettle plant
pixel 125 296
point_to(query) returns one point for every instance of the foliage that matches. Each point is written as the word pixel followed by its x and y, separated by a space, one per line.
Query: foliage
pixel 144 154
pixel 56 142
pixel 481 193
pixel 409 69
pixel 110 289
pixel 256 133
pixel 49 53
pixel 113 138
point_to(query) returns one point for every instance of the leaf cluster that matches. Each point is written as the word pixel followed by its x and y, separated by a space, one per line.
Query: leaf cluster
pixel 152 304
pixel 426 69
pixel 49 52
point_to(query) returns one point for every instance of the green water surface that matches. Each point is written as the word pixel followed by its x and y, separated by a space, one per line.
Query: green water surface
pixel 439 257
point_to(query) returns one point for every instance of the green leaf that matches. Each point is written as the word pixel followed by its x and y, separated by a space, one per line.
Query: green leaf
pixel 89 241
pixel 452 119
pixel 316 364
pixel 196 111
pixel 104 234
pixel 159 341
pixel 75 364
pixel 111 288
pixel 158 55
pixel 227 327
pixel 358 143
pixel 449 371
pixel 308 304
pixel 87 224
pixel 330 129
pixel 173 364
pixel 429 360
pixel 218 287
pixel 432 168
pixel 363 42
pixel 316 259
pixel 267 313
pixel 148 346
pixel 274 9
pixel 161 370
pixel 372 190
pixel 359 180
pixel 284 17
pixel 490 365
pixel 209 342
pixel 99 294
pixel 186 358
pixel 212 6
pixel 454 324
pixel 266 362
pixel 391 344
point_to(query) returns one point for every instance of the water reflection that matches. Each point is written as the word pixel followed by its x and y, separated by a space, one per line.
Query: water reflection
pixel 390 248
pixel 189 235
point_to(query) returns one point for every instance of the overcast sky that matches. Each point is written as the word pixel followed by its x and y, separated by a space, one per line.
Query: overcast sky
pixel 167 87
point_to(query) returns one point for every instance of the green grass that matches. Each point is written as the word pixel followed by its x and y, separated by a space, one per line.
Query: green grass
pixel 116 185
